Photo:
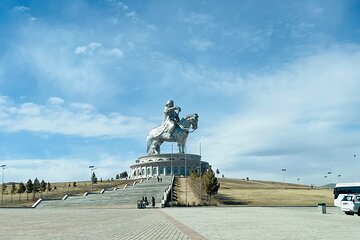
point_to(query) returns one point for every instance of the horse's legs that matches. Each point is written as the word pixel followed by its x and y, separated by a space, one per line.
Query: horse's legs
pixel 181 149
pixel 157 148
pixel 149 146
pixel 152 146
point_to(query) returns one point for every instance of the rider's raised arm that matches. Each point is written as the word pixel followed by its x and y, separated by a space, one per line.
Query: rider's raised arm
pixel 170 109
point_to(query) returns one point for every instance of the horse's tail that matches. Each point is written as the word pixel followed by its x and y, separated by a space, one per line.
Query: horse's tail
pixel 148 141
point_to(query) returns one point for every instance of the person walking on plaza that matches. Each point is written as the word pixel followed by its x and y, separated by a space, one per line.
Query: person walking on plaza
pixel 153 202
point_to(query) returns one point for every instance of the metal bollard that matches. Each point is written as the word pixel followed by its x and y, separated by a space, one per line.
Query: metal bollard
pixel 322 207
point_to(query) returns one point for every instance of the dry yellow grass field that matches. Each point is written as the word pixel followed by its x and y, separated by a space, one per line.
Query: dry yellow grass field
pixel 260 193
pixel 231 192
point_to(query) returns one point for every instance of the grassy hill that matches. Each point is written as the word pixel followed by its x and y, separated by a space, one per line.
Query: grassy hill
pixel 232 192
pixel 261 193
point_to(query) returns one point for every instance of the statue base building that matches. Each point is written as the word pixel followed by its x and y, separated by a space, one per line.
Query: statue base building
pixel 168 164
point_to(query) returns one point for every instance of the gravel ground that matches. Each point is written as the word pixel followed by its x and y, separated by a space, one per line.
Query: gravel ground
pixel 257 223
pixel 178 223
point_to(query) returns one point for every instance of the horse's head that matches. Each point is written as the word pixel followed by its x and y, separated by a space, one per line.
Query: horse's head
pixel 194 121
pixel 191 120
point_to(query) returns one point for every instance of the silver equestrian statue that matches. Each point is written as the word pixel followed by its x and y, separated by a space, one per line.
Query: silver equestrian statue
pixel 172 129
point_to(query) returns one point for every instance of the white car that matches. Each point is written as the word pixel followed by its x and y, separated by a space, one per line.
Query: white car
pixel 350 204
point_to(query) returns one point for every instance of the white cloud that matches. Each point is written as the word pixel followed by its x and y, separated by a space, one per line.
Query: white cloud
pixel 48 169
pixel 131 45
pixel 3 99
pixel 196 18
pixel 130 15
pixel 116 52
pixel 113 20
pixel 249 38
pixel 64 169
pixel 199 44
pixel 21 9
pixel 77 119
pixel 118 4
pixel 97 48
pixel 83 107
pixel 29 109
pixel 151 27
pixel 56 69
pixel 123 5
pixel 88 49
pixel 303 117
pixel 55 101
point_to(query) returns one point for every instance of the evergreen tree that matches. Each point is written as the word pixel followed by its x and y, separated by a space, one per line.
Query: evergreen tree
pixel 36 185
pixel 21 189
pixel 43 186
pixel 74 184
pixel 12 191
pixel 117 176
pixel 124 174
pixel 210 183
pixel 48 187
pixel 193 174
pixel 13 188
pixel 94 178
pixel 29 188
pixel 217 172
pixel 4 186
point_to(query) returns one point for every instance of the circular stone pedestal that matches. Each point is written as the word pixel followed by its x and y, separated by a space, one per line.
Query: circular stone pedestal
pixel 167 164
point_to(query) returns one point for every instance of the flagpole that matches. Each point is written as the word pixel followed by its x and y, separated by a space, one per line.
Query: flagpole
pixel 200 172
pixel 186 177
pixel 172 173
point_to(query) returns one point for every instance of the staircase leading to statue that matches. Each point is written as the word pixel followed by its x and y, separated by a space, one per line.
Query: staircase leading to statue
pixel 121 198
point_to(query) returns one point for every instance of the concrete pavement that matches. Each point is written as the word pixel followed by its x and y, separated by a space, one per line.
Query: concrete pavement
pixel 253 223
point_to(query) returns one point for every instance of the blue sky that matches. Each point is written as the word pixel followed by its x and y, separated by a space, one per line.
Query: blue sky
pixel 275 83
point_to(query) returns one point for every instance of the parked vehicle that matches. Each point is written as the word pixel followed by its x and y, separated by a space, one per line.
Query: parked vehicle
pixel 342 189
pixel 350 204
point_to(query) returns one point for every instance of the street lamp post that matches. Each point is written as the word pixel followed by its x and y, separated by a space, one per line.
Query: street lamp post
pixel 2 183
pixel 91 173
pixel 284 170
pixel 329 173
pixel 325 177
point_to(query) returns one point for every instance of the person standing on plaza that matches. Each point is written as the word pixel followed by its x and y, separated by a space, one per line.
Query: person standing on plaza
pixel 153 201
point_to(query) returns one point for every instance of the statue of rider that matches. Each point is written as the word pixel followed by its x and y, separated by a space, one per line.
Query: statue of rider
pixel 171 117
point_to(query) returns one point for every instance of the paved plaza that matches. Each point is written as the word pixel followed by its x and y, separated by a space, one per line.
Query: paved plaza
pixel 177 223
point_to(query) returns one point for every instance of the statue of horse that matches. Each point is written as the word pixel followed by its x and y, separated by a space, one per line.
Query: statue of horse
pixel 156 136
